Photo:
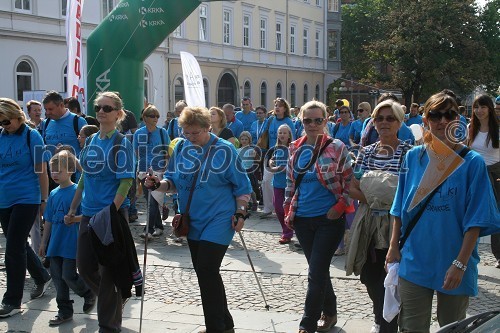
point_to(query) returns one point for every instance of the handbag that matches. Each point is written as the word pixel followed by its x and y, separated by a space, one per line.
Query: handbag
pixel 263 141
pixel 181 222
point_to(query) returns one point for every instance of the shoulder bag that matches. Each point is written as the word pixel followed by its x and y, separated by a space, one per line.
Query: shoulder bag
pixel 263 141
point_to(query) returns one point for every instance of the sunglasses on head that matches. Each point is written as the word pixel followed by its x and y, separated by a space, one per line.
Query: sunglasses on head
pixel 309 121
pixel 105 108
pixel 380 119
pixel 5 122
pixel 449 115
pixel 153 116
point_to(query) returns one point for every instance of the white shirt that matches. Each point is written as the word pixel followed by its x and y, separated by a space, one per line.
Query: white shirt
pixel 491 155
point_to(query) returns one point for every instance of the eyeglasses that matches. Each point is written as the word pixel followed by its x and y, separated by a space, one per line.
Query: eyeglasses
pixel 153 116
pixel 186 134
pixel 5 122
pixel 361 110
pixel 317 121
pixel 436 116
pixel 105 108
pixel 380 119
pixel 342 112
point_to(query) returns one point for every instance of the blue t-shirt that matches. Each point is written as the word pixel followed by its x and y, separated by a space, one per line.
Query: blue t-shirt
pixel 280 157
pixel 404 133
pixel 61 131
pixel 256 130
pixel 236 127
pixel 101 180
pixel 63 238
pixel 463 201
pixel 174 131
pixel 246 119
pixel 18 181
pixel 150 148
pixel 355 131
pixel 314 199
pixel 214 198
pixel 273 128
pixel 414 120
pixel 299 128
pixel 342 133
pixel 247 155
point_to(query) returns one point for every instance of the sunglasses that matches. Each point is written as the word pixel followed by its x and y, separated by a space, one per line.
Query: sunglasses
pixel 309 121
pixel 436 116
pixel 153 116
pixel 361 110
pixel 5 122
pixel 343 112
pixel 380 119
pixel 105 108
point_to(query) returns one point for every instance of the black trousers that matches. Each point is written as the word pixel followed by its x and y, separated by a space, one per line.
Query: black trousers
pixel 207 258
pixel 372 276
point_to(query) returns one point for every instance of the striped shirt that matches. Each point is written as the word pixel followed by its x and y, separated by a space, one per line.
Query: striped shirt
pixel 370 159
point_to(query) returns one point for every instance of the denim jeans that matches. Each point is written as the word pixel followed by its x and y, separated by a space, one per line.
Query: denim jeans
pixel 64 275
pixel 16 223
pixel 207 258
pixel 154 218
pixel 319 238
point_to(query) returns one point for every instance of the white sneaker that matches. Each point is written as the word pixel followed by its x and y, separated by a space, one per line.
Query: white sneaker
pixel 148 235
pixel 375 328
pixel 157 232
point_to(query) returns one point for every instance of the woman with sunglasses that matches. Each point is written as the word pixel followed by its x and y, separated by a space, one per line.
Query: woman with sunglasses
pixel 316 200
pixel 105 181
pixel 209 170
pixel 439 253
pixel 23 194
pixel 483 138
pixel 376 177
pixel 342 128
pixel 150 147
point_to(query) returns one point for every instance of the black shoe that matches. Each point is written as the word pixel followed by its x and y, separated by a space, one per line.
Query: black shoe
pixel 7 310
pixel 132 218
pixel 58 320
pixel 39 289
pixel 89 303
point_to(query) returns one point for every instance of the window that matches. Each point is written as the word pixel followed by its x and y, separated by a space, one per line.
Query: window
pixel 178 31
pixel 206 89
pixel 247 89
pixel 64 4
pixel 278 36
pixel 306 93
pixel 146 84
pixel 107 7
pixel 263 33
pixel 263 94
pixel 292 39
pixel 24 78
pixel 65 79
pixel 316 43
pixel 305 45
pixel 318 3
pixel 279 90
pixel 316 95
pixel 293 96
pixel 203 23
pixel 333 5
pixel 226 27
pixel 246 30
pixel 178 89
pixel 332 45
pixel 23 5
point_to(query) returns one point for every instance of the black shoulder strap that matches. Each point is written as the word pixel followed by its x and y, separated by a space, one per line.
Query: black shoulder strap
pixel 335 129
pixel 46 124
pixel 171 126
pixel 28 140
pixel 315 156
pixel 417 216
pixel 75 125
pixel 117 143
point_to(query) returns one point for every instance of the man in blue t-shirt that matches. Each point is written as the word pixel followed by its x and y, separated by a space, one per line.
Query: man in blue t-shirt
pixel 233 124
pixel 414 117
pixel 173 130
pixel 247 116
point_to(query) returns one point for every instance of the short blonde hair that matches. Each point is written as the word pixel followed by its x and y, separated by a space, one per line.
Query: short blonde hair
pixel 285 126
pixel 397 110
pixel 117 101
pixel 222 116
pixel 247 135
pixel 150 110
pixel 365 106
pixel 11 110
pixel 63 161
pixel 194 116
pixel 313 105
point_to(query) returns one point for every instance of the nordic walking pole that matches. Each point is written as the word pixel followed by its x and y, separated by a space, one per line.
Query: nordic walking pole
pixel 253 269
pixel 145 257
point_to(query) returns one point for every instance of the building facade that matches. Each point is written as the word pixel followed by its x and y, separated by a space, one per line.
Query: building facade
pixel 259 49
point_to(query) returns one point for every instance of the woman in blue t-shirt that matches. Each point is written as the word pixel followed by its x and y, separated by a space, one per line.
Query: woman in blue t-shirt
pixel 210 169
pixel 440 253
pixel 23 194
pixel 342 128
pixel 106 180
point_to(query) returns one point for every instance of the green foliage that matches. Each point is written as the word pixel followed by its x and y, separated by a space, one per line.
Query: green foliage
pixel 490 33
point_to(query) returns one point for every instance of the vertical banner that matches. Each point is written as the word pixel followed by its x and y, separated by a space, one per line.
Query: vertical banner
pixel 193 80
pixel 76 79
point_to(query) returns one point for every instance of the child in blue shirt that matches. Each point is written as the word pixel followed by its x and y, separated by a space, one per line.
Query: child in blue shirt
pixel 63 240
pixel 277 165
pixel 249 159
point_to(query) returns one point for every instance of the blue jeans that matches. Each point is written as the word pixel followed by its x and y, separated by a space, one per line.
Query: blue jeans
pixel 16 223
pixel 64 275
pixel 319 238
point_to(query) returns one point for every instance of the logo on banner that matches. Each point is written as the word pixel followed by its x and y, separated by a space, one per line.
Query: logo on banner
pixel 144 10
pixel 102 81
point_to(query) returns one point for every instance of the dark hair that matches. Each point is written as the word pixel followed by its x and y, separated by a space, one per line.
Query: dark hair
pixel 284 103
pixel 475 125
pixel 386 96
pixel 339 102
pixel 73 103
pixel 30 103
pixel 88 130
pixel 53 96
pixel 261 107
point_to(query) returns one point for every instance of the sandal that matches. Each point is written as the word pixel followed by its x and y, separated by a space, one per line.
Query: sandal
pixel 285 240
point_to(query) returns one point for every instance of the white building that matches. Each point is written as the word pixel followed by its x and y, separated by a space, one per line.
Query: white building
pixel 255 48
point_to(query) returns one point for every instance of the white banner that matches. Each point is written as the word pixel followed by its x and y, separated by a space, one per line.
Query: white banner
pixel 193 80
pixel 77 85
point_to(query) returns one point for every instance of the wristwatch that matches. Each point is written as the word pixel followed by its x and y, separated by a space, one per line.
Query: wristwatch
pixel 243 208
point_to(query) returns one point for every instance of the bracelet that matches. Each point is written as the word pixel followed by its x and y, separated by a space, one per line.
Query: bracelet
pixel 459 265
pixel 156 185
pixel 43 201
pixel 240 215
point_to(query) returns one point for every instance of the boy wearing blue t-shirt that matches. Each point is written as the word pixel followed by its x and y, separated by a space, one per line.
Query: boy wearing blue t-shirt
pixel 63 240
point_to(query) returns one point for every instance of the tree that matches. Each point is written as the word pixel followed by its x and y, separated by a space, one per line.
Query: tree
pixel 490 33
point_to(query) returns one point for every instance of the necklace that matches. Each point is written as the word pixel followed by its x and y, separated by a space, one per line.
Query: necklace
pixel 442 165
